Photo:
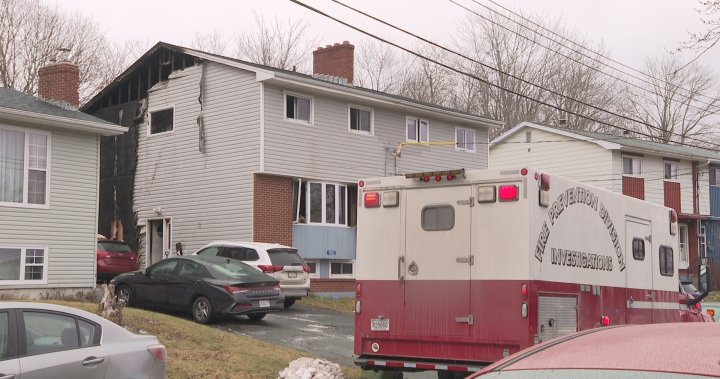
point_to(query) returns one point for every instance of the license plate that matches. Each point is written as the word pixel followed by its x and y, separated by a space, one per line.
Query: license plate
pixel 380 324
pixel 292 274
pixel 264 303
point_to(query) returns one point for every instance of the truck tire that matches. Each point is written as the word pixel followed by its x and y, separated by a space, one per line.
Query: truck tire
pixel 289 302
pixel 442 374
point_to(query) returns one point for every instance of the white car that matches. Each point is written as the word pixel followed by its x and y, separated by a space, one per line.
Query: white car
pixel 53 341
pixel 281 262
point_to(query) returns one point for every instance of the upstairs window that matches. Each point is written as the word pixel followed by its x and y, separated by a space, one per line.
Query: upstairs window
pixel 632 166
pixel 417 130
pixel 24 164
pixel 162 121
pixel 714 176
pixel 361 119
pixel 298 108
pixel 465 139
pixel 671 170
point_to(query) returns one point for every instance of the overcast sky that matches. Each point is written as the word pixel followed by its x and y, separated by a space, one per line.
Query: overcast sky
pixel 633 30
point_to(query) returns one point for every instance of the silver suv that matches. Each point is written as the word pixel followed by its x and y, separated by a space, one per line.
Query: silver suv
pixel 281 262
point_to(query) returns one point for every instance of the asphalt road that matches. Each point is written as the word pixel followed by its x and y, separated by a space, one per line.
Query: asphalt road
pixel 323 333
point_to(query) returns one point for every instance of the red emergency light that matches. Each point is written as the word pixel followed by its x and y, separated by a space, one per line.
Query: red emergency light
pixel 358 289
pixel 371 200
pixel 524 291
pixel 508 193
pixel 361 184
pixel 523 171
pixel 605 320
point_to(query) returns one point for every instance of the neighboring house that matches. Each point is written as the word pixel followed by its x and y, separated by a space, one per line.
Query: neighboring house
pixel 49 170
pixel 678 177
pixel 221 149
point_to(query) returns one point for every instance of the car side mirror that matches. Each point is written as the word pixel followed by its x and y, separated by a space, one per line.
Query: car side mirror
pixel 703 283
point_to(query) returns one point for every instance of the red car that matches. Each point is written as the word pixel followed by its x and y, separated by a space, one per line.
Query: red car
pixel 113 258
pixel 623 351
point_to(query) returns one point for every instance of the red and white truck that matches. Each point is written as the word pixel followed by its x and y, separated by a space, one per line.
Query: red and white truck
pixel 457 269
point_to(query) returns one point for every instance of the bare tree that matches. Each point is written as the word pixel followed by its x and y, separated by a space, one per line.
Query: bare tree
pixel 425 80
pixel 378 66
pixel 212 42
pixel 682 104
pixel 701 42
pixel 285 45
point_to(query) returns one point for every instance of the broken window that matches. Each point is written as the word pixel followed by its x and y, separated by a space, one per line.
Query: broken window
pixel 162 121
pixel 324 203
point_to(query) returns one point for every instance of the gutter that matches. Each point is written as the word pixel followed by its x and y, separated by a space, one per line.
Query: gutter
pixel 101 128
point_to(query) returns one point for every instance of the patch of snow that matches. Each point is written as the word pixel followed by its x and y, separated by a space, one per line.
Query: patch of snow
pixel 308 368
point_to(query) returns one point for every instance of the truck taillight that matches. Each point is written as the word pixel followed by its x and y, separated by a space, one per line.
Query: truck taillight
pixel 358 289
pixel 698 306
pixel 270 268
pixel 605 320
pixel 508 193
pixel 711 312
pixel 524 291
pixel 371 199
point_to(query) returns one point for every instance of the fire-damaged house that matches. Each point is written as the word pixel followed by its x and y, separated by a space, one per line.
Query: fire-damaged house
pixel 221 149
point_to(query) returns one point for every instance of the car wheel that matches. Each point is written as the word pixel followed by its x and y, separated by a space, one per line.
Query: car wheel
pixel 124 292
pixel 289 302
pixel 202 310
pixel 257 316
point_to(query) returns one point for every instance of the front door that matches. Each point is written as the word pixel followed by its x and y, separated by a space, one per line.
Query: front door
pixel 158 241
pixel 638 272
pixel 437 262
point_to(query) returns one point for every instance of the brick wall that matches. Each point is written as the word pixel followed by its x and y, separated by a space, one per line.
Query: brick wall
pixel 272 209
pixel 335 60
pixel 60 82
pixel 332 285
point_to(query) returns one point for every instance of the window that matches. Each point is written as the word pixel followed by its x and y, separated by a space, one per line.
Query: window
pixel 298 108
pixel 361 119
pixel 683 239
pixel 313 266
pixel 714 176
pixel 23 265
pixel 163 268
pixel 465 139
pixel 162 121
pixel 632 166
pixel 666 261
pixel 341 269
pixel 417 130
pixel 438 218
pixel 24 166
pixel 209 251
pixel 671 170
pixel 638 249
pixel 50 332
pixel 328 203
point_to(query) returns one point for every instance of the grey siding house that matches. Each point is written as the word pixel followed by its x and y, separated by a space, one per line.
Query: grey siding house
pixel 49 168
pixel 220 149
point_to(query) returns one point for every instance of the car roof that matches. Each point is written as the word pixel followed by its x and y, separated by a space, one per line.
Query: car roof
pixel 668 347
pixel 254 245
pixel 56 308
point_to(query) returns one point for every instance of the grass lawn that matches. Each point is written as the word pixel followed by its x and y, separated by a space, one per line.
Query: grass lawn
pixel 713 296
pixel 343 304
pixel 199 351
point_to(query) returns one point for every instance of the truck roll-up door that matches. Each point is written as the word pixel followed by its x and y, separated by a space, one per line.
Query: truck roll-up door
pixel 557 316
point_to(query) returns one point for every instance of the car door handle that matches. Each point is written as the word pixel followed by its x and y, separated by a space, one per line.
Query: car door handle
pixel 89 361
pixel 10 376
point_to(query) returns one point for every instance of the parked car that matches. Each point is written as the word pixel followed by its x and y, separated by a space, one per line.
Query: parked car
pixel 53 341
pixel 205 286
pixel 282 262
pixel 623 351
pixel 113 258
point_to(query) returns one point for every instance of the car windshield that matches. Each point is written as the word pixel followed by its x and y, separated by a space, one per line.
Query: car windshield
pixel 285 257
pixel 114 247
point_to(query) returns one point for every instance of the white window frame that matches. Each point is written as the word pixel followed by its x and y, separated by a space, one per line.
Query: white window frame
pixel 372 119
pixel 677 170
pixel 295 120
pixel 418 121
pixel 317 267
pixel 633 158
pixel 465 131
pixel 308 204
pixel 26 168
pixel 23 251
pixel 331 275
pixel 683 249
pixel 158 109
pixel 717 176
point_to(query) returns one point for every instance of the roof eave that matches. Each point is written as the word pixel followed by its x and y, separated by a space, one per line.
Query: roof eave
pixel 666 154
pixel 604 144
pixel 104 129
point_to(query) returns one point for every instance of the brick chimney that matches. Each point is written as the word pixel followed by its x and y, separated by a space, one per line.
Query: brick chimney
pixel 335 60
pixel 60 81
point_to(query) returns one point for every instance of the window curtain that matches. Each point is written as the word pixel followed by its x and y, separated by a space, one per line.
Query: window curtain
pixel 12 159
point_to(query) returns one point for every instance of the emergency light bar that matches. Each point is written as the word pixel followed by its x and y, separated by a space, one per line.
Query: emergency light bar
pixel 450 174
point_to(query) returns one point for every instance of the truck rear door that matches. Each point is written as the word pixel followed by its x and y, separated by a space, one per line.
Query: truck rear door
pixel 639 276
pixel 436 269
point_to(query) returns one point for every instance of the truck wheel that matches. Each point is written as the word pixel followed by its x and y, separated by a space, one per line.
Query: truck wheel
pixel 442 374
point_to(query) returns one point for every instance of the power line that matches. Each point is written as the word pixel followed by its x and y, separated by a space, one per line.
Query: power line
pixel 489 67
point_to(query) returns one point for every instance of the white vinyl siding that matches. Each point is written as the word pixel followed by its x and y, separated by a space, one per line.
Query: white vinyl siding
pixel 67 229
pixel 201 191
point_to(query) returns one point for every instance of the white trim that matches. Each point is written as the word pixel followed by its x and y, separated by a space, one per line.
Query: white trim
pixel 465 130
pixel 262 126
pixel 317 267
pixel 287 93
pixel 331 275
pixel 516 128
pixel 61 122
pixel 372 119
pixel 26 168
pixel 23 250
pixel 158 109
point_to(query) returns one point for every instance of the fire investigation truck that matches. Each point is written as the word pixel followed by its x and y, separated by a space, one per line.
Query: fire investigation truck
pixel 457 269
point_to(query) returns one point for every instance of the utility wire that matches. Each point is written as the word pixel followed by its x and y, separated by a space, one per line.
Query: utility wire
pixel 412 52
